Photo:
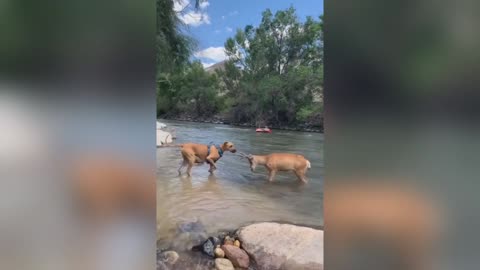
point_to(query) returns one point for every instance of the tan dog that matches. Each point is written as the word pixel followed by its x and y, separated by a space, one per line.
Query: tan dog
pixel 280 162
pixel 194 153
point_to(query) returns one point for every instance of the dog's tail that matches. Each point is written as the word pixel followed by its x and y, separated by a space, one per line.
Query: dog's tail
pixel 309 166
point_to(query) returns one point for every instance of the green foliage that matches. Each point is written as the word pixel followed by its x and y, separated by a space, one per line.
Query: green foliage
pixel 173 49
pixel 304 113
pixel 198 90
pixel 276 69
pixel 192 91
pixel 173 46
pixel 274 74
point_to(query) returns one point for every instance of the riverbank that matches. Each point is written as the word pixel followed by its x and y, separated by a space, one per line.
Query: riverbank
pixel 265 245
pixel 306 127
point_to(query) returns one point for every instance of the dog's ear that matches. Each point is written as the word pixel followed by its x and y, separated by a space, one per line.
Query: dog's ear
pixel 225 143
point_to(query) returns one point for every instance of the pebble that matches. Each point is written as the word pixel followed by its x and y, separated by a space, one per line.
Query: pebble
pixel 228 240
pixel 223 264
pixel 169 257
pixel 236 243
pixel 161 266
pixel 219 253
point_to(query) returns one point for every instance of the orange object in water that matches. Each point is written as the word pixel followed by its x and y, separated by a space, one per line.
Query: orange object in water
pixel 264 130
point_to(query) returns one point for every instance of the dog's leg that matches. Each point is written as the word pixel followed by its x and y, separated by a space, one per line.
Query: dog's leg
pixel 189 160
pixel 271 175
pixel 212 164
pixel 189 168
pixel 212 168
pixel 198 160
pixel 182 164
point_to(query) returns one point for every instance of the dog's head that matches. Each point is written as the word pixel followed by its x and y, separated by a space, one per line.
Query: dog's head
pixel 229 146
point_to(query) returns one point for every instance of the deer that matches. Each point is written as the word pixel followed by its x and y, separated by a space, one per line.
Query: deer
pixel 280 162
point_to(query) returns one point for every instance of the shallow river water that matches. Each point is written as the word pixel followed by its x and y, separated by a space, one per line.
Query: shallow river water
pixel 234 196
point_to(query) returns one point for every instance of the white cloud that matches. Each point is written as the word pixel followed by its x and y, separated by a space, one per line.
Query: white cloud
pixel 204 4
pixel 195 18
pixel 206 65
pixel 180 5
pixel 217 31
pixel 216 54
pixel 233 13
pixel 229 29
pixel 223 17
pixel 189 15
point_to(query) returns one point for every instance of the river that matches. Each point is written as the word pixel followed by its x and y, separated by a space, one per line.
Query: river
pixel 234 196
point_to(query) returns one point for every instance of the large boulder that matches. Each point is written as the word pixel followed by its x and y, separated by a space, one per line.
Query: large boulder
pixel 283 246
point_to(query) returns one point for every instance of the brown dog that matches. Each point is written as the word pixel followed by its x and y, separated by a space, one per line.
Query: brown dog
pixel 280 162
pixel 194 153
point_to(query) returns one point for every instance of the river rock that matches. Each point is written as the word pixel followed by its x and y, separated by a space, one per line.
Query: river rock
pixel 237 256
pixel 228 240
pixel 189 235
pixel 236 243
pixel 219 253
pixel 283 246
pixel 169 257
pixel 161 266
pixel 223 264
pixel 209 246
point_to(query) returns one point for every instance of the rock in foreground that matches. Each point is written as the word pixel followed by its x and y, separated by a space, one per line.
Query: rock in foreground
pixel 223 264
pixel 219 253
pixel 209 246
pixel 238 256
pixel 283 246
pixel 169 257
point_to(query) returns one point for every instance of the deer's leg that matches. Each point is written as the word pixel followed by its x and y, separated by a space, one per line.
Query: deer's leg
pixel 271 175
pixel 301 175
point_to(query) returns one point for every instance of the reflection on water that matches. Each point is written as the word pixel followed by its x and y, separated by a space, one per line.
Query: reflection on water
pixel 235 196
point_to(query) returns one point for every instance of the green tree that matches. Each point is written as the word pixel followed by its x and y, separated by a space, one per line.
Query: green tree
pixel 174 49
pixel 197 92
pixel 274 74
pixel 275 70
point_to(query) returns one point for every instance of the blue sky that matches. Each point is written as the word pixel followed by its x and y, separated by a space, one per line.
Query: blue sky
pixel 216 20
